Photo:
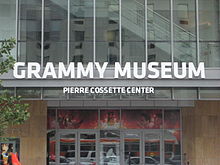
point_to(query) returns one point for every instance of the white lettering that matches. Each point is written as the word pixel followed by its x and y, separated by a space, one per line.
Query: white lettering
pixel 122 73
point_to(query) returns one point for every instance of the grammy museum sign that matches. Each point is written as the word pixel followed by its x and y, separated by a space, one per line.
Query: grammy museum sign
pixel 152 70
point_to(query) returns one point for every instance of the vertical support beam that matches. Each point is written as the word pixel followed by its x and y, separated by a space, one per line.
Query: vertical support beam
pixel 197 32
pixel 94 30
pixel 16 29
pixel 146 30
pixel 42 33
pixel 120 34
pixel 172 32
pixel 68 32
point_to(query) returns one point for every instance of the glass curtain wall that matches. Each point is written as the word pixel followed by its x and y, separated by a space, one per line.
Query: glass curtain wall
pixel 209 17
pixel 80 32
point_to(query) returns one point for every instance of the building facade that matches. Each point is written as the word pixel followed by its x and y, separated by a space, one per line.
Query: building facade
pixel 176 125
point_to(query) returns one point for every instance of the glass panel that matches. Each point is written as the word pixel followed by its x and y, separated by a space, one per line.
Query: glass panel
pixel 110 134
pixel 109 147
pixel 163 93
pixel 29 51
pixel 152 148
pixel 184 20
pixel 55 31
pixel 159 51
pixel 172 147
pixel 7 19
pixel 67 149
pixel 158 23
pixel 88 148
pixel 30 12
pixel 209 15
pixel 29 92
pixel 81 31
pixel 185 93
pixel 132 149
pixel 184 31
pixel 7 91
pixel 172 119
pixel 53 93
pixel 51 119
pixel 185 51
pixel 209 20
pixel 109 119
pixel 142 119
pixel 78 119
pixel 209 53
pixel 133 31
pixel 209 93
pixel 51 148
pixel 107 31
pixel 158 19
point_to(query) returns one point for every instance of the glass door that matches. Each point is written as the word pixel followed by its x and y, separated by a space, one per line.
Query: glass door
pixel 76 148
pixel 109 147
pixel 87 148
pixel 152 148
pixel 67 148
pixel 142 147
pixel 132 148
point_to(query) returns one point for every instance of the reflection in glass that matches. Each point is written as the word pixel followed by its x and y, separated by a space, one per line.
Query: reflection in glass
pixel 88 148
pixel 67 149
pixel 152 148
pixel 7 19
pixel 132 149
pixel 185 51
pixel 109 147
pixel 159 51
pixel 172 146
pixel 53 93
pixel 184 20
pixel 55 31
pixel 51 119
pixel 29 32
pixel 209 93
pixel 185 93
pixel 81 31
pixel 162 93
pixel 172 119
pixel 7 91
pixel 29 92
pixel 107 31
pixel 51 147
pixel 209 53
pixel 159 35
pixel 184 31
pixel 110 134
pixel 158 20
pixel 133 31
pixel 29 51
pixel 209 20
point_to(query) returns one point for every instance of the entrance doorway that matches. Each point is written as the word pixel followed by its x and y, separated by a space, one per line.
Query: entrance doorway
pixel 114 137
pixel 110 147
